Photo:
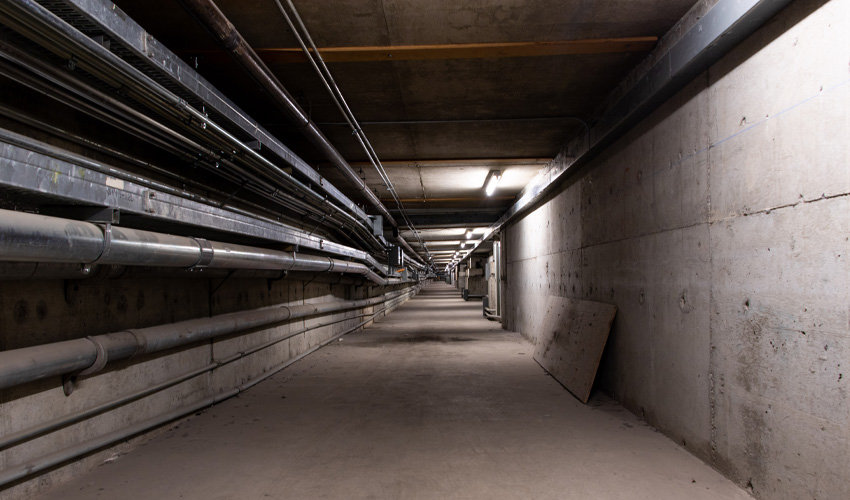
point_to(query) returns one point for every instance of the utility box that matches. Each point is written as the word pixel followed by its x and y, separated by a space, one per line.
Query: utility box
pixel 487 270
pixel 377 225
pixel 396 256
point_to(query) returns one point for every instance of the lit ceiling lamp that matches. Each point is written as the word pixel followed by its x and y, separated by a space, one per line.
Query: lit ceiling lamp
pixel 469 234
pixel 492 181
pixel 463 244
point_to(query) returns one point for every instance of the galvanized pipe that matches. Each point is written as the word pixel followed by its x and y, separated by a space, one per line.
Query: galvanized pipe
pixel 26 237
pixel 210 16
pixel 161 135
pixel 19 366
pixel 51 270
pixel 315 59
pixel 53 33
pixel 31 467
pixel 72 418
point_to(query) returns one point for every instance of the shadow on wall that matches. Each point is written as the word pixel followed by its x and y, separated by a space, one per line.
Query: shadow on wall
pixel 701 226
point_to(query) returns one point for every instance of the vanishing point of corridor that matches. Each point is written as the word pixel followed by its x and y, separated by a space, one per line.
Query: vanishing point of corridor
pixel 434 401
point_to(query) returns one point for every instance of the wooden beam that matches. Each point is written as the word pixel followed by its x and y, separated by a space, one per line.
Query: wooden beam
pixel 454 51
pixel 464 51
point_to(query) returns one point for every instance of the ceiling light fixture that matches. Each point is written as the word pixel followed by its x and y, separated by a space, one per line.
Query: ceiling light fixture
pixel 469 234
pixel 463 244
pixel 492 181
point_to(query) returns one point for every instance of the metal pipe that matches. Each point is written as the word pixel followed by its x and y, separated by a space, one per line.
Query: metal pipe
pixel 26 237
pixel 210 16
pixel 39 24
pixel 66 420
pixel 11 474
pixel 31 467
pixel 65 81
pixel 51 270
pixel 160 135
pixel 28 364
pixel 131 36
pixel 325 75
pixel 130 159
pixel 30 145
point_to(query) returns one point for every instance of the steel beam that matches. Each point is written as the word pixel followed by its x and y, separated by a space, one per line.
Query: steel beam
pixel 37 167
pixel 120 28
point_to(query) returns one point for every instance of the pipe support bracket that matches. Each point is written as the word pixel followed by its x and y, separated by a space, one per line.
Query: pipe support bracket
pixel 206 255
pixel 99 362
pixel 107 242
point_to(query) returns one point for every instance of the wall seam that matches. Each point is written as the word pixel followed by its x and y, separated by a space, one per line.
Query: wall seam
pixel 766 211
pixel 608 242
pixel 712 348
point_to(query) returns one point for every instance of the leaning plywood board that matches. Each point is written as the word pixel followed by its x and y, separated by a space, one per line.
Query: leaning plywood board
pixel 571 342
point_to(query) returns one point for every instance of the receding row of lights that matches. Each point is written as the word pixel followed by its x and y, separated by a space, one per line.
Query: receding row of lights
pixel 456 255
pixel 490 183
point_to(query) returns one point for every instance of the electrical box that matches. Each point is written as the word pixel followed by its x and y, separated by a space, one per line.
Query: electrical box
pixel 396 256
pixel 377 225
pixel 487 270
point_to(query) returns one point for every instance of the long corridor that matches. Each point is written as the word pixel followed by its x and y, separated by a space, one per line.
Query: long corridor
pixel 434 401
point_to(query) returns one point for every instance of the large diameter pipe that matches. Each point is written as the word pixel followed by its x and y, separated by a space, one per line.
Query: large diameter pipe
pixel 18 366
pixel 58 357
pixel 77 416
pixel 26 237
pixel 63 38
pixel 15 473
pixel 210 16
pixel 63 271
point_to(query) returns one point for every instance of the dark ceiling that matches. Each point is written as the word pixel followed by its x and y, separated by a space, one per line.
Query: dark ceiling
pixel 443 122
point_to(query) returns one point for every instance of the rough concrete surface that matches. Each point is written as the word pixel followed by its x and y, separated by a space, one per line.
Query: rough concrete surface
pixel 431 402
pixel 719 228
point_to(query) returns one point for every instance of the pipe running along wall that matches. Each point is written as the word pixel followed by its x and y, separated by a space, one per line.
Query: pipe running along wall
pixel 89 355
pixel 207 13
pixel 31 467
pixel 45 427
pixel 200 133
pixel 26 237
pixel 213 19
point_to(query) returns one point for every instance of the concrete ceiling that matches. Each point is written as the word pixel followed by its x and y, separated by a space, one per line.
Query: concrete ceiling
pixel 439 124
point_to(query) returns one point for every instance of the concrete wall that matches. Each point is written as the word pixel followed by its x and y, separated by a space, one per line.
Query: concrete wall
pixel 43 311
pixel 720 227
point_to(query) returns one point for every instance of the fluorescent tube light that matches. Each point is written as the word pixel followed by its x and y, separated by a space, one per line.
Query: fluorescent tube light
pixel 492 181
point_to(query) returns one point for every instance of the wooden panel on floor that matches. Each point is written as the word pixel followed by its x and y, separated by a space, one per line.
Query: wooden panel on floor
pixel 571 342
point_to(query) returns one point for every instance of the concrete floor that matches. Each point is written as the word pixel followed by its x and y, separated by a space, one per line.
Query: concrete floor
pixel 433 402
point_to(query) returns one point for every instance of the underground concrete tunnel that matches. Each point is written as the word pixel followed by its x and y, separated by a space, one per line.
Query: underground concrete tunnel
pixel 402 249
